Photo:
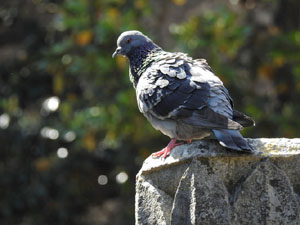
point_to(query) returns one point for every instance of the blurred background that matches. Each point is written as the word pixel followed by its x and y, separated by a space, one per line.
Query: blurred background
pixel 72 138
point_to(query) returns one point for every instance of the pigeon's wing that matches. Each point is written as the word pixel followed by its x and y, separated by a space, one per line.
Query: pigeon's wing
pixel 219 98
pixel 169 90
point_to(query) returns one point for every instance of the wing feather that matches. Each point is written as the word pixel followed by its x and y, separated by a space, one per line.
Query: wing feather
pixel 185 91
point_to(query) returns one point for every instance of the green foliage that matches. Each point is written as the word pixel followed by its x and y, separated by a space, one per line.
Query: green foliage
pixel 224 38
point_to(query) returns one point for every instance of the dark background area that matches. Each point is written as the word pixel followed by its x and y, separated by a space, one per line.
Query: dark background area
pixel 72 138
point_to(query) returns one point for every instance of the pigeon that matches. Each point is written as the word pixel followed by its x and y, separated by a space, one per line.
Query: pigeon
pixel 181 96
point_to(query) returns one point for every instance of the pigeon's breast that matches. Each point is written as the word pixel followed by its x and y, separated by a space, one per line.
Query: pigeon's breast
pixel 176 129
pixel 167 127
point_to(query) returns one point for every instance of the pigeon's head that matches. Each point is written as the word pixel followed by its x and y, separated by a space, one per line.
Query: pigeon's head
pixel 130 40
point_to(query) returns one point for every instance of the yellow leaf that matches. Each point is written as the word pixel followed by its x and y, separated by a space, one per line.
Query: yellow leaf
pixel 274 30
pixel 42 164
pixel 279 61
pixel 13 103
pixel 266 71
pixel 139 4
pixel 84 37
pixel 89 142
pixel 121 62
pixel 113 13
pixel 58 83
pixel 179 2
pixel 66 110
pixel 72 97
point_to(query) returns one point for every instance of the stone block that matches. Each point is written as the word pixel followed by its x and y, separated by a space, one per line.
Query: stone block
pixel 203 183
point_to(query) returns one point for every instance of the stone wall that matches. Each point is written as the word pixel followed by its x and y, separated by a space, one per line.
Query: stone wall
pixel 203 183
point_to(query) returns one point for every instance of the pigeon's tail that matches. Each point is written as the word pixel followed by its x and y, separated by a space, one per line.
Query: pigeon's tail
pixel 232 139
pixel 242 119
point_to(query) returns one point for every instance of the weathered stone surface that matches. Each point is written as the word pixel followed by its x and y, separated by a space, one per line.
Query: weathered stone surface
pixel 153 206
pixel 203 183
pixel 198 200
pixel 267 196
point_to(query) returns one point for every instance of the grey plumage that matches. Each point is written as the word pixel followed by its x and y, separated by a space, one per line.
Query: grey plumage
pixel 180 96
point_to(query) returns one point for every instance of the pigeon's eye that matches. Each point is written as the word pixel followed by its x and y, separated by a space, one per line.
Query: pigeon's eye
pixel 128 40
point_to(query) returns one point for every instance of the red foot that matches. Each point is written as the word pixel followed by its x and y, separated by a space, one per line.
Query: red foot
pixel 189 141
pixel 167 149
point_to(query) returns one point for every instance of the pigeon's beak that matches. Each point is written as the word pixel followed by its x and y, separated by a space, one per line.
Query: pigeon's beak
pixel 117 52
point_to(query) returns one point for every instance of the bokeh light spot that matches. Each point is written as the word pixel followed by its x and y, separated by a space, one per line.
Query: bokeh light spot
pixel 95 111
pixel 66 59
pixel 70 136
pixel 122 177
pixel 51 104
pixel 102 180
pixel 4 121
pixel 62 153
pixel 48 132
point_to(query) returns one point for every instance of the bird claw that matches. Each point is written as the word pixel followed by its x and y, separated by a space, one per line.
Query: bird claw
pixel 189 141
pixel 164 153
pixel 159 153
